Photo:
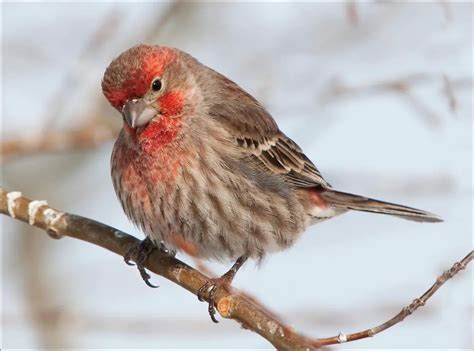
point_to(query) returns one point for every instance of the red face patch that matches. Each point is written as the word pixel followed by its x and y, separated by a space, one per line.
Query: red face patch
pixel 171 104
pixel 140 65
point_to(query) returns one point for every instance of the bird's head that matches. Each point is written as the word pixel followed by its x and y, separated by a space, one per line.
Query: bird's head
pixel 147 84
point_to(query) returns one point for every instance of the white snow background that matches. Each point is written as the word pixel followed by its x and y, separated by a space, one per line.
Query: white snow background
pixel 346 274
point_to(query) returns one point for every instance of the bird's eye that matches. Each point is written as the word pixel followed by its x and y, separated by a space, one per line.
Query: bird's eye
pixel 156 85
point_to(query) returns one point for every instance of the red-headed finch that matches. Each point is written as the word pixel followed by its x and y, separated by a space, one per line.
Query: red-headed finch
pixel 199 161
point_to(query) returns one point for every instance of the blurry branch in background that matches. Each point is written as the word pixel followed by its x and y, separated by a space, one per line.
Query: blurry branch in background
pixel 172 10
pixel 92 133
pixel 95 132
pixel 449 93
pixel 447 10
pixel 41 292
pixel 230 303
pixel 351 12
pixel 404 86
pixel 106 29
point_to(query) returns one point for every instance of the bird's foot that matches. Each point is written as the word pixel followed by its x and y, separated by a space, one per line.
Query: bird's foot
pixel 139 253
pixel 210 288
pixel 213 284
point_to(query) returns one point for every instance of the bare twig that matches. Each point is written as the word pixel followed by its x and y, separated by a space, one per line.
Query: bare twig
pixel 406 311
pixel 230 303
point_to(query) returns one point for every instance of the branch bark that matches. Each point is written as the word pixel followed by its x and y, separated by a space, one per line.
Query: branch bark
pixel 230 303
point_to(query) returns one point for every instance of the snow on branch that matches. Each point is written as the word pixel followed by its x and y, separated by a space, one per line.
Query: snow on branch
pixel 230 303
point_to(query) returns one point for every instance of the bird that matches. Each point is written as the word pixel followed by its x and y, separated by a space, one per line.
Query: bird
pixel 201 164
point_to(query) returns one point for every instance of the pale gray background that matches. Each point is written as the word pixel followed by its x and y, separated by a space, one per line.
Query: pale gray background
pixel 346 274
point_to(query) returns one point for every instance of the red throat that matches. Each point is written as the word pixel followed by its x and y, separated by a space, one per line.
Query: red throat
pixel 160 133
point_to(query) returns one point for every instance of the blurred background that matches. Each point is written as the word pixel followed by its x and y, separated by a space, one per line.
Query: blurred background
pixel 379 95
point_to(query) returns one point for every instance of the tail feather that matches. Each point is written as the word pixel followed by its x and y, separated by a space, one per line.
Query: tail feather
pixel 348 201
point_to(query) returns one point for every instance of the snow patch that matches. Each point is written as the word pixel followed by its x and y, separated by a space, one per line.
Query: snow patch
pixel 11 197
pixel 272 327
pixel 119 234
pixel 177 274
pixel 33 208
pixel 341 338
pixel 51 217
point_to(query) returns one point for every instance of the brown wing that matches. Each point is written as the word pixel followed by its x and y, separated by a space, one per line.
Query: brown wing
pixel 257 133
pixel 281 155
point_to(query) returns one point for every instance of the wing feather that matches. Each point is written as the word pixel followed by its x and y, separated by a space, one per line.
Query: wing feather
pixel 257 134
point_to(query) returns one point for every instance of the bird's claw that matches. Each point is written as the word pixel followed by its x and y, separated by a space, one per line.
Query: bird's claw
pixel 127 258
pixel 140 253
pixel 146 277
pixel 210 289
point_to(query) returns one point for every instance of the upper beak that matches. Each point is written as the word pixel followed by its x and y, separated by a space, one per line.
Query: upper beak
pixel 137 113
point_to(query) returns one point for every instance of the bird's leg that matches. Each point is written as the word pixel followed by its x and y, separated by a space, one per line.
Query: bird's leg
pixel 140 253
pixel 213 284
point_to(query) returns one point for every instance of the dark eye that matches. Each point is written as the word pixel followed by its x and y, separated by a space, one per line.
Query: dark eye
pixel 156 85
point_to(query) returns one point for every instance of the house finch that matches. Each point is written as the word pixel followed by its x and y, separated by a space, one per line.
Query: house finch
pixel 201 164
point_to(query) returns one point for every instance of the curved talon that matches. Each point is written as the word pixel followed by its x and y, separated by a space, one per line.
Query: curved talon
pixel 146 277
pixel 210 287
pixel 140 253
pixel 147 282
pixel 127 261
pixel 212 312
pixel 128 256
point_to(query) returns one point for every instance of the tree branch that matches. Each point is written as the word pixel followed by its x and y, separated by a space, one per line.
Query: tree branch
pixel 230 304
pixel 406 311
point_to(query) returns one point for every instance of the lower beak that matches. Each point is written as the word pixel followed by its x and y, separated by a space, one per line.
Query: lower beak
pixel 137 113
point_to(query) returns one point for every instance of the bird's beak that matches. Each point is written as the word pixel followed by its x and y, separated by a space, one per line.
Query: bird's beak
pixel 137 112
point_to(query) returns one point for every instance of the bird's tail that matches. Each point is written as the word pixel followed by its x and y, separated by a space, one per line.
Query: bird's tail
pixel 347 201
